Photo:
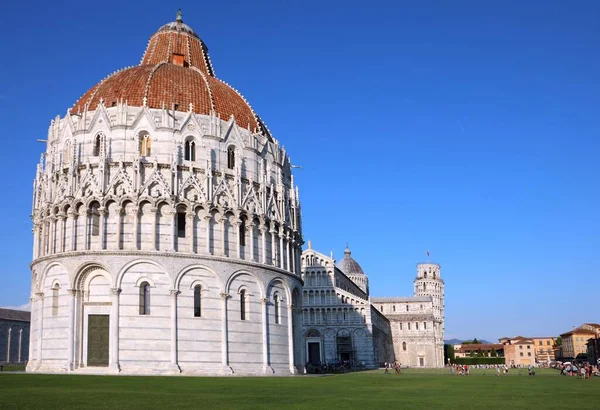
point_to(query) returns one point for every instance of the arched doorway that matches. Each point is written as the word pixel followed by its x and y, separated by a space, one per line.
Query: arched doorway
pixel 313 347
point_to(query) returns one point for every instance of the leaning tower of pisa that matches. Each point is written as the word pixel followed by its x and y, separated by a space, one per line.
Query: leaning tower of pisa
pixel 429 283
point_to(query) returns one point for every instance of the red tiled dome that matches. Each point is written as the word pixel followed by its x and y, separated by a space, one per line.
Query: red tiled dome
pixel 174 72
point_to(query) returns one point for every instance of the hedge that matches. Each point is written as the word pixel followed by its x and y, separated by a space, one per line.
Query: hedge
pixel 478 360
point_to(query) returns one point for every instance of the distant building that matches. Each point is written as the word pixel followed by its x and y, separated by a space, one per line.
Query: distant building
pixel 544 349
pixel 473 349
pixel 575 342
pixel 518 351
pixel 14 336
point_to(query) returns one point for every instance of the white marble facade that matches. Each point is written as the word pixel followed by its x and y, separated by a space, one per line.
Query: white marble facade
pixel 341 321
pixel 181 229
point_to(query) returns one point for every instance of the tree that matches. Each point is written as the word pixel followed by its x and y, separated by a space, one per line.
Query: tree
pixel 493 353
pixel 448 353
pixel 558 341
pixel 479 353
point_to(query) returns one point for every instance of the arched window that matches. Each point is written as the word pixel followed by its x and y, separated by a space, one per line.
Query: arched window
pixel 407 308
pixel 97 142
pixel 276 304
pixel 189 153
pixel 424 325
pixel 55 290
pixel 145 145
pixel 400 325
pixel 95 218
pixel 197 301
pixel 242 232
pixel 181 223
pixel 409 326
pixel 434 275
pixel 231 157
pixel 404 346
pixel 424 286
pixel 243 304
pixel 145 298
pixel 425 275
pixel 417 325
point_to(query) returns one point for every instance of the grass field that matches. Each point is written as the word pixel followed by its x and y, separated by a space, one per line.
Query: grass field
pixel 367 390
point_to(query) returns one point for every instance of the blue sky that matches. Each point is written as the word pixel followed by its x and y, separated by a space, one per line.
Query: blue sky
pixel 466 128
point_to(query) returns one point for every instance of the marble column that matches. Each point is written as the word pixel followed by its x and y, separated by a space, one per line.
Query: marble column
pixel 251 230
pixel 290 318
pixel 102 217
pixel 238 243
pixel 86 234
pixel 224 335
pixel 62 230
pixel 119 211
pixel 73 244
pixel 222 223
pixel 113 352
pixel 174 230
pixel 265 335
pixel 40 324
pixel 71 329
pixel 207 218
pixel 154 212
pixel 52 235
pixel 273 246
pixel 33 304
pixel 293 254
pixel 263 232
pixel 190 232
pixel 136 228
pixel 36 240
pixel 281 248
pixel 19 357
pixel 174 363
pixel 8 345
pixel 288 257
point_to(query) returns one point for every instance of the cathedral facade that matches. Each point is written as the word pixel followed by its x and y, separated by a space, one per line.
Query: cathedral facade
pixel 167 234
pixel 342 322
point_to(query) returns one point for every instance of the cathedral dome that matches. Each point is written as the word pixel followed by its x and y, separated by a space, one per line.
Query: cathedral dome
pixel 175 73
pixel 348 265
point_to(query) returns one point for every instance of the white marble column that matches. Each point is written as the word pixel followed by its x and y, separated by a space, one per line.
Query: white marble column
pixel 288 256
pixel 113 352
pixel 190 233
pixel 273 233
pixel 61 237
pixel 224 335
pixel 263 232
pixel 73 239
pixel 290 318
pixel 36 240
pixel 136 230
pixel 265 335
pixel 43 229
pixel 238 243
pixel 40 323
pixel 71 329
pixel 52 235
pixel 207 218
pixel 86 234
pixel 19 357
pixel 293 254
pixel 281 248
pixel 174 229
pixel 174 363
pixel 222 223
pixel 102 217
pixel 154 212
pixel 251 230
pixel 119 211
pixel 33 305
pixel 8 345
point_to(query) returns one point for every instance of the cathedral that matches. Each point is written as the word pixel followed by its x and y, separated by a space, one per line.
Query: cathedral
pixel 342 322
pixel 167 239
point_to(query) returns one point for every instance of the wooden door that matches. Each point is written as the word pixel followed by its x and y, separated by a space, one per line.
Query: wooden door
pixel 98 340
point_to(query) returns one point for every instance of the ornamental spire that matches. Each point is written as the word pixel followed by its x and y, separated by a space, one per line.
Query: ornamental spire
pixel 179 16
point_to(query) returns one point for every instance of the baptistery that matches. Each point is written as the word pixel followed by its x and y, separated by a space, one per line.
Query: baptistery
pixel 167 229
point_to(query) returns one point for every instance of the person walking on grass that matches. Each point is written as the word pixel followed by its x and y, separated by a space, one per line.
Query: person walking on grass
pixel 387 370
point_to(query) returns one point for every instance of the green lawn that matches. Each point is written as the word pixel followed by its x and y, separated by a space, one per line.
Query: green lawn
pixel 368 390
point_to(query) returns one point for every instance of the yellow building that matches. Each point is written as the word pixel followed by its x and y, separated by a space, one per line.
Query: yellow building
pixel 575 341
pixel 544 349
